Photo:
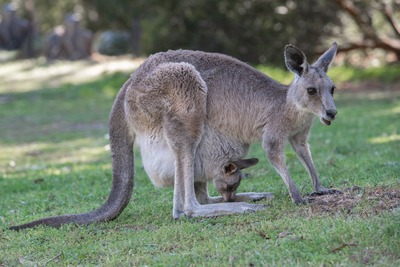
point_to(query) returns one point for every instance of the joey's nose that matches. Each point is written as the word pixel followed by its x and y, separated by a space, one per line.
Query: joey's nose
pixel 331 113
pixel 228 197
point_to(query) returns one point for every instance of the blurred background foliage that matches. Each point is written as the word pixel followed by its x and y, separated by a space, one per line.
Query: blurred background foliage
pixel 252 30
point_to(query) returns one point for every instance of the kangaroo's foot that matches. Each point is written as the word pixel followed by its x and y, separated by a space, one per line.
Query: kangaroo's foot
pixel 177 214
pixel 213 210
pixel 296 196
pixel 325 191
pixel 300 201
pixel 242 197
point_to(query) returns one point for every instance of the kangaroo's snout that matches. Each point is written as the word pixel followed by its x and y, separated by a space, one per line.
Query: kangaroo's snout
pixel 329 116
pixel 331 113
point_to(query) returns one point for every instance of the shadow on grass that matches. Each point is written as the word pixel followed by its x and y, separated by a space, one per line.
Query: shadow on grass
pixel 60 113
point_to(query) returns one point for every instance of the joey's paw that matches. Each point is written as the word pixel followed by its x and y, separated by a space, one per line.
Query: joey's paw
pixel 325 191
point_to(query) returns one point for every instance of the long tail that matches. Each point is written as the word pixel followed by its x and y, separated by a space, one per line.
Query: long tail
pixel 121 143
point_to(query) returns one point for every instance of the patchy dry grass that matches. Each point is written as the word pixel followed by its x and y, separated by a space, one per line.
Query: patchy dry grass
pixel 356 200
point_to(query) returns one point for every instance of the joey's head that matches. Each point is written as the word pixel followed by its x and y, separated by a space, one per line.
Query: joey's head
pixel 312 89
pixel 229 177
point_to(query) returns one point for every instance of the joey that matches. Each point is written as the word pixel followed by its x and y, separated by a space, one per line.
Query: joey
pixel 231 177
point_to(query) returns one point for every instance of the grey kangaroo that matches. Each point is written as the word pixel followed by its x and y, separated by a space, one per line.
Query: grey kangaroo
pixel 192 113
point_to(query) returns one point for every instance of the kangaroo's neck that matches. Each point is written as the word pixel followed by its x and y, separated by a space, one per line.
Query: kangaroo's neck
pixel 296 117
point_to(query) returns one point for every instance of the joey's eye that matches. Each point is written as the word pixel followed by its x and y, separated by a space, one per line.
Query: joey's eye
pixel 229 188
pixel 311 90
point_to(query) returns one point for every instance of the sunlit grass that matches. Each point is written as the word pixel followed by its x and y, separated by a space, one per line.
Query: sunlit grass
pixel 28 75
pixel 385 139
pixel 41 155
pixel 281 75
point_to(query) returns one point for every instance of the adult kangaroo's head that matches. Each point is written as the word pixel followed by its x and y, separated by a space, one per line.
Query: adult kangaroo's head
pixel 312 90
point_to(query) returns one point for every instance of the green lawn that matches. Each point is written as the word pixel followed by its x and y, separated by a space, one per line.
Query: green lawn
pixel 55 159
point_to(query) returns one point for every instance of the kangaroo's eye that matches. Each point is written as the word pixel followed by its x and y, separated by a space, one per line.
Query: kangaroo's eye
pixel 333 90
pixel 311 90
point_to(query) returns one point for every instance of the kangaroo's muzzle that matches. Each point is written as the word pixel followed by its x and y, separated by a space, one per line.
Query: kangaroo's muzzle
pixel 329 116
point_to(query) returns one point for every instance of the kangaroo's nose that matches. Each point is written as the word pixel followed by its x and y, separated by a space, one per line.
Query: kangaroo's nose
pixel 331 113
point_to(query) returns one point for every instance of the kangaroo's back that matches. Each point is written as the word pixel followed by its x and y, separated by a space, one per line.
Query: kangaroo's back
pixel 240 99
pixel 217 70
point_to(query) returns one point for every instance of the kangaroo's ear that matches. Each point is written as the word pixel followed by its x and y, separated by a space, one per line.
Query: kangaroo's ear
pixel 295 60
pixel 245 163
pixel 325 60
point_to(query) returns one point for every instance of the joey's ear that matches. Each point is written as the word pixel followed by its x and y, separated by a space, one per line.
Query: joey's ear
pixel 295 60
pixel 325 60
pixel 245 163
pixel 230 168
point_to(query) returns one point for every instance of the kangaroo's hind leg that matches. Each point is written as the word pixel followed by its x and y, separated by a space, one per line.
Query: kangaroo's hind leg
pixel 185 95
pixel 183 125
pixel 184 147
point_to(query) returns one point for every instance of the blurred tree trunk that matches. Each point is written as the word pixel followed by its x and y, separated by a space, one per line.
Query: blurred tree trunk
pixel 361 12
pixel 28 49
pixel 136 31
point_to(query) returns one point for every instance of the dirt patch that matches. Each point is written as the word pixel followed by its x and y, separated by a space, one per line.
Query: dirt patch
pixel 356 200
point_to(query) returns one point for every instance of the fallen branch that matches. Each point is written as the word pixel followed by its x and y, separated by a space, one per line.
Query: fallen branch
pixel 343 246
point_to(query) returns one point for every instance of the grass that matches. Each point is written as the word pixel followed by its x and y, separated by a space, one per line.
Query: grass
pixel 55 159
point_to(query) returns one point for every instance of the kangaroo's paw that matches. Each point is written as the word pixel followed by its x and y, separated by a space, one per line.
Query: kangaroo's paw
pixel 242 197
pixel 213 210
pixel 300 201
pixel 325 191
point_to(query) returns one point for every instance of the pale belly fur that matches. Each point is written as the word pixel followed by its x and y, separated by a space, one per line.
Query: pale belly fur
pixel 158 160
